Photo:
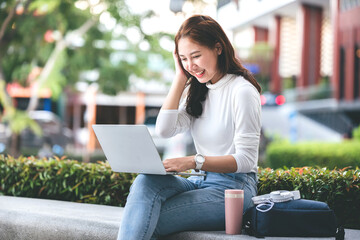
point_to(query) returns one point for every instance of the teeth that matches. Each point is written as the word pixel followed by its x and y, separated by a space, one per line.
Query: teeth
pixel 200 72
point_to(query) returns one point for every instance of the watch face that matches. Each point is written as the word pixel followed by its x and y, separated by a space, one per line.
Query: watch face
pixel 200 159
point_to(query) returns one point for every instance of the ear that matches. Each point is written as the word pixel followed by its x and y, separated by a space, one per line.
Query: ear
pixel 218 48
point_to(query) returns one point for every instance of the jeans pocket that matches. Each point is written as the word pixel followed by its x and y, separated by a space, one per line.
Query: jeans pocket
pixel 234 181
pixel 245 182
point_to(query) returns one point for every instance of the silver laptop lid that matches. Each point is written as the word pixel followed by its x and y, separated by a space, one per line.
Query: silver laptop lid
pixel 129 148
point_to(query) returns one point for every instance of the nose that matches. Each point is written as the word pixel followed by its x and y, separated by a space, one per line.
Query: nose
pixel 190 65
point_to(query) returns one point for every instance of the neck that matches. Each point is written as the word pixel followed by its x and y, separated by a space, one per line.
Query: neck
pixel 216 78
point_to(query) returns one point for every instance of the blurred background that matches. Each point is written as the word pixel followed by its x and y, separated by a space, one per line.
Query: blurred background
pixel 65 65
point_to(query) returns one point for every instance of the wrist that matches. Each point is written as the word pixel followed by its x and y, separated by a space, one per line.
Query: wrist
pixel 180 79
pixel 199 161
pixel 191 164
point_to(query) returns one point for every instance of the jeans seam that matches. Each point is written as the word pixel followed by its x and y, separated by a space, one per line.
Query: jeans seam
pixel 182 205
pixel 233 178
pixel 157 194
pixel 242 181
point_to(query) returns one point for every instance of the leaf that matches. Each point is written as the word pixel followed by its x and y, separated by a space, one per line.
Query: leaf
pixel 44 6
pixel 41 190
pixel 74 187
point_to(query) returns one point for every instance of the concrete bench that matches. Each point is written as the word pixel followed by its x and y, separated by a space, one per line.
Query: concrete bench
pixel 40 219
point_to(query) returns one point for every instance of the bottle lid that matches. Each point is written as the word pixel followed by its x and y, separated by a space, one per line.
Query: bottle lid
pixel 234 193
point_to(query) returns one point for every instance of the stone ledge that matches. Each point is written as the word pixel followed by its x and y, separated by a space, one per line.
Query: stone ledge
pixel 350 234
pixel 40 219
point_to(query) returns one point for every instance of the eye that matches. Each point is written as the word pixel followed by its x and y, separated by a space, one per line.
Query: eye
pixel 183 59
pixel 197 56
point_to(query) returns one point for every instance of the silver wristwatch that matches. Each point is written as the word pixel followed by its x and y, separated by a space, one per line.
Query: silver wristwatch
pixel 199 161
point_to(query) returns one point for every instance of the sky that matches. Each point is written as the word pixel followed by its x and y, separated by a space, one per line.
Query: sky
pixel 165 20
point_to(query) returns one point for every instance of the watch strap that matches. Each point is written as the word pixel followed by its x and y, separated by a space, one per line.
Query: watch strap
pixel 198 164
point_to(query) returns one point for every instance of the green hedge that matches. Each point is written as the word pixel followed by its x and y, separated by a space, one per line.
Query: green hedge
pixel 95 183
pixel 339 188
pixel 330 155
pixel 356 133
pixel 63 179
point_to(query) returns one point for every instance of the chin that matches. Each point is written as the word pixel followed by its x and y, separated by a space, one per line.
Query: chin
pixel 202 79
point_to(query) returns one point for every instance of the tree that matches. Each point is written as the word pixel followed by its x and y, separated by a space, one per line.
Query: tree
pixel 17 120
pixel 65 38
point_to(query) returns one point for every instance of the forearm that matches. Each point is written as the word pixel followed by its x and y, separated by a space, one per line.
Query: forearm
pixel 221 164
pixel 173 98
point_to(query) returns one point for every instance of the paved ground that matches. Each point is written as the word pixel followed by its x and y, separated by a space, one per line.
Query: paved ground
pixel 39 219
pixel 349 235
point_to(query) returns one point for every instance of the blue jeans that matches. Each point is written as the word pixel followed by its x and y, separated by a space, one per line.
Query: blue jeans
pixel 160 205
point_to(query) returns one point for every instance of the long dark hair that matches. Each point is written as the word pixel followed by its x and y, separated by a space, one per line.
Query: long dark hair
pixel 207 32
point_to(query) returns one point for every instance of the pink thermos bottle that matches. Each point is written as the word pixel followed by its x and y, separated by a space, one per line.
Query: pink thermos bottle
pixel 234 205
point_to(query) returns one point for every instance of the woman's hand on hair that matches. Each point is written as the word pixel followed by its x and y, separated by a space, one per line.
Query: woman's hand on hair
pixel 179 72
pixel 177 87
pixel 179 164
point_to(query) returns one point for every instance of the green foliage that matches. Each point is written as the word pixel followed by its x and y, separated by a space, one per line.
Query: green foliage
pixel 261 50
pixel 16 119
pixel 44 5
pixel 24 46
pixel 62 179
pixel 114 80
pixel 356 133
pixel 19 120
pixel 331 155
pixel 21 73
pixel 40 29
pixel 340 189
pixel 289 83
pixel 71 180
pixel 57 80
pixel 261 55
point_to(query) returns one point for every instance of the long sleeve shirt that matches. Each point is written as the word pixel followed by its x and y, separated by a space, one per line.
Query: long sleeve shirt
pixel 230 123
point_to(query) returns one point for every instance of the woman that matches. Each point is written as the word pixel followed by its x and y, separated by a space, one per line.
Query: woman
pixel 222 110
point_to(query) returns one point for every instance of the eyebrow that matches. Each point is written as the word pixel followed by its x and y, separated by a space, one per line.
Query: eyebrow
pixel 192 53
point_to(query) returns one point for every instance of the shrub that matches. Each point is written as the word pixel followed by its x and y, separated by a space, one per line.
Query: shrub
pixel 331 155
pixel 70 180
pixel 356 133
pixel 339 188
pixel 63 180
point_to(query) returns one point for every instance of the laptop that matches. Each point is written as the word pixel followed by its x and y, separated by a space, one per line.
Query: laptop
pixel 131 149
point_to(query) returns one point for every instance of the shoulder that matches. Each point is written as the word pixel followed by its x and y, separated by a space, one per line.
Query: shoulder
pixel 243 89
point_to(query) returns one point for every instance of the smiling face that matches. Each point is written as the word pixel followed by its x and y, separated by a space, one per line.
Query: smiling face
pixel 200 61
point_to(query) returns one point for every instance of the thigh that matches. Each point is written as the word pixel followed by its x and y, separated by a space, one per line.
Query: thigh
pixel 244 181
pixel 249 185
pixel 143 206
pixel 163 186
pixel 200 209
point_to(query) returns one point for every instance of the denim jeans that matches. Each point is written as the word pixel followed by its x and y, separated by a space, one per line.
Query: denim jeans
pixel 160 205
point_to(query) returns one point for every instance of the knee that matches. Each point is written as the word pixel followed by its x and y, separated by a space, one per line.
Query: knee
pixel 146 182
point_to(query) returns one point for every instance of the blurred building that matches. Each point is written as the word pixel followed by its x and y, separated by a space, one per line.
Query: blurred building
pixel 78 110
pixel 315 52
pixel 89 108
